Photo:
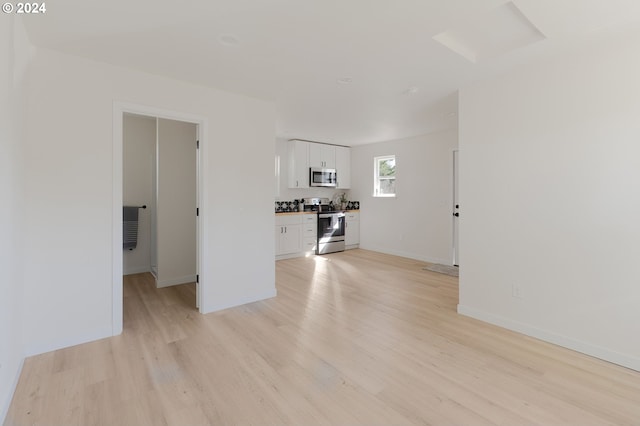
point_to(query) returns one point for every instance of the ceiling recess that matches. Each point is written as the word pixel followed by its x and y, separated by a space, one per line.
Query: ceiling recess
pixel 411 91
pixel 228 39
pixel 490 34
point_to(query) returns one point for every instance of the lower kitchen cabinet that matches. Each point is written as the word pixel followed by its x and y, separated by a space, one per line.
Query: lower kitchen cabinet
pixel 352 230
pixel 296 235
pixel 309 233
pixel 288 235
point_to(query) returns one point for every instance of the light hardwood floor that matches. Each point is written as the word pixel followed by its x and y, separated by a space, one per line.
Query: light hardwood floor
pixel 353 338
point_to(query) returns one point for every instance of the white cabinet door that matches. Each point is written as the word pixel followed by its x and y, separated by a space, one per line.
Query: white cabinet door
pixel 352 229
pixel 291 241
pixel 343 166
pixel 322 155
pixel 288 235
pixel 298 164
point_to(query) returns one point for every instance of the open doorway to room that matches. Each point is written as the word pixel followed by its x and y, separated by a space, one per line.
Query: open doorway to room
pixel 158 178
pixel 159 201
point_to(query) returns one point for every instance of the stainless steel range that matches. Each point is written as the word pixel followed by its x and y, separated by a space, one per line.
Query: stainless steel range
pixel 330 232
pixel 331 225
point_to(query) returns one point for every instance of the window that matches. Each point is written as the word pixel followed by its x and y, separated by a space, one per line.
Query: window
pixel 384 181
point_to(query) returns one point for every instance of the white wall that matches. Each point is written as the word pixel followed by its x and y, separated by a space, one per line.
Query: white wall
pixel 69 190
pixel 417 223
pixel 176 204
pixel 550 196
pixel 14 54
pixel 282 192
pixel 139 140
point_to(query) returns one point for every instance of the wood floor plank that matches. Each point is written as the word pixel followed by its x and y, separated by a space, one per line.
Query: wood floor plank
pixel 353 338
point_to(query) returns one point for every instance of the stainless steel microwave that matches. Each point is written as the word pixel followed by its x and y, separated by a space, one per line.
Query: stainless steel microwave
pixel 319 176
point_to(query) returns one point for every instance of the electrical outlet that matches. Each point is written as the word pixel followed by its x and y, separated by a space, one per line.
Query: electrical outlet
pixel 516 291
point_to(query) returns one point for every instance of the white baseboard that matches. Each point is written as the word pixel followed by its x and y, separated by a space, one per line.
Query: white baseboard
pixel 175 281
pixel 240 301
pixel 290 256
pixel 136 270
pixel 14 385
pixel 605 354
pixel 44 347
pixel 408 255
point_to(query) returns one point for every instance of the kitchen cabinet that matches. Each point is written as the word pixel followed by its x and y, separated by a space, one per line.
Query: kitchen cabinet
pixel 343 166
pixel 288 234
pixel 298 164
pixel 352 230
pixel 303 154
pixel 296 235
pixel 309 233
pixel 322 155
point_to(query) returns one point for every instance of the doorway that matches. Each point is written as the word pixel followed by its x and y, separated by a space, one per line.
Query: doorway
pixel 172 189
pixel 160 183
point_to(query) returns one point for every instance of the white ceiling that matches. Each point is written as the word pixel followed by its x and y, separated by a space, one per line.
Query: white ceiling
pixel 293 52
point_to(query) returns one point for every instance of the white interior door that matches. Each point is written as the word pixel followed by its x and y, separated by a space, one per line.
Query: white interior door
pixel 177 190
pixel 456 211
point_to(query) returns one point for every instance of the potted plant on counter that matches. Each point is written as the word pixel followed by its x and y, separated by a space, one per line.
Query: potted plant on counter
pixel 342 200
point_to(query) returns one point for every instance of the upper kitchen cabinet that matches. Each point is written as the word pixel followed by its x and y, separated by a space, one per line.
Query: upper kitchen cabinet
pixel 298 152
pixel 322 155
pixel 343 166
pixel 302 155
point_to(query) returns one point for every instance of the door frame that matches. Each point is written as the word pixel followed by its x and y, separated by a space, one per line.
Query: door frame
pixel 455 225
pixel 119 109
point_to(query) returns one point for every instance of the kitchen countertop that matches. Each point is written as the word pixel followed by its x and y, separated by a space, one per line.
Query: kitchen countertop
pixel 286 213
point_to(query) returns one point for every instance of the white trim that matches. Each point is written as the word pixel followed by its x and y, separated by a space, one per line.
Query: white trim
pixel 120 108
pixel 175 281
pixel 244 300
pixel 136 270
pixel 116 237
pixel 624 360
pixel 291 255
pixel 455 242
pixel 408 255
pixel 376 176
pixel 14 385
pixel 44 347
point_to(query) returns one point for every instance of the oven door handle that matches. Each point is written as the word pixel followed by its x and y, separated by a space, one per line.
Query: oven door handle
pixel 327 215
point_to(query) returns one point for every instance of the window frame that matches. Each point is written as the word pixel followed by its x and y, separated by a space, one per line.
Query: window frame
pixel 377 178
